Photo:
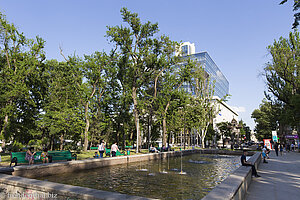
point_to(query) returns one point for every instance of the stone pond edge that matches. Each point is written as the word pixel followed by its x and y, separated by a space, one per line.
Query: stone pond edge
pixel 233 187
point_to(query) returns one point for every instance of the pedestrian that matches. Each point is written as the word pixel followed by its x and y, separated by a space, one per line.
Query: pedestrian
pixel 30 155
pixel 276 148
pixel 264 154
pixel 114 149
pixel 281 149
pixel 245 163
pixel 101 148
pixel 288 147
pixel 292 147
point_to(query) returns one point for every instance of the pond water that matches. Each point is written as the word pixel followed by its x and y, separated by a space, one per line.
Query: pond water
pixel 159 178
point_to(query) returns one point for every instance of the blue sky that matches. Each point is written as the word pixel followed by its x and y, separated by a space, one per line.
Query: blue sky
pixel 235 33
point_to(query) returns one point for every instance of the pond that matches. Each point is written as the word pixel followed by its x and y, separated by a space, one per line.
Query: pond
pixel 160 179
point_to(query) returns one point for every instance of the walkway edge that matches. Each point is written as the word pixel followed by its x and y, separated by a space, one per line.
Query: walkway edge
pixel 235 185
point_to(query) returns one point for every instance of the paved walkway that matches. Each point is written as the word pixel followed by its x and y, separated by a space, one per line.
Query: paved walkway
pixel 280 178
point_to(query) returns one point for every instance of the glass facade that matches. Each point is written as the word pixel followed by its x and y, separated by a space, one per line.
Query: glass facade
pixel 221 84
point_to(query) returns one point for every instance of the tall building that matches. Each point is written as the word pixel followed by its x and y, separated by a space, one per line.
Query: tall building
pixel 221 84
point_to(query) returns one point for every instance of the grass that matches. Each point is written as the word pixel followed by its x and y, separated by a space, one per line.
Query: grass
pixel 5 159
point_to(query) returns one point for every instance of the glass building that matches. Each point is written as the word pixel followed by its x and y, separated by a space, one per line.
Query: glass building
pixel 216 77
pixel 221 84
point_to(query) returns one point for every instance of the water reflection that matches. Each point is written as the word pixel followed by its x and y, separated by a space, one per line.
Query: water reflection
pixel 158 179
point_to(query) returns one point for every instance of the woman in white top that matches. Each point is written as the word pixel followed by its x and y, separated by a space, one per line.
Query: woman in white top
pixel 101 148
pixel 114 149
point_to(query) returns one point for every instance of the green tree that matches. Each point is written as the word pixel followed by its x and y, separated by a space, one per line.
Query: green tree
pixel 283 76
pixel 225 130
pixel 244 130
pixel 139 52
pixel 96 71
pixel 296 7
pixel 21 89
pixel 62 116
pixel 171 83
pixel 204 90
pixel 266 120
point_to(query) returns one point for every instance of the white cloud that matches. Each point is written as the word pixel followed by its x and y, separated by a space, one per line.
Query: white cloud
pixel 239 109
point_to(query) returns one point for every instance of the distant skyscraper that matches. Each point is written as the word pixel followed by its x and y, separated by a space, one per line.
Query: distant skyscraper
pixel 216 76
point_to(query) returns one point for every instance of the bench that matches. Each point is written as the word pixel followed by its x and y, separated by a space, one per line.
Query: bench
pixel 94 148
pixel 160 149
pixel 19 157
pixel 62 155
pixel 107 152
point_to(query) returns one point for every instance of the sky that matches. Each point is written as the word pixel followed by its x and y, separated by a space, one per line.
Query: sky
pixel 235 33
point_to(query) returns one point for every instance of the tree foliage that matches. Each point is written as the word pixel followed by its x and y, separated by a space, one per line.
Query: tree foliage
pixel 296 7
pixel 283 76
pixel 138 90
pixel 266 119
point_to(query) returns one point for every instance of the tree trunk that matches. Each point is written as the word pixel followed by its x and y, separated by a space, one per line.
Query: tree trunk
pixel 4 130
pixel 203 142
pixel 87 126
pixel 164 142
pixel 149 130
pixel 51 143
pixel 204 131
pixel 61 142
pixel 164 137
pixel 136 118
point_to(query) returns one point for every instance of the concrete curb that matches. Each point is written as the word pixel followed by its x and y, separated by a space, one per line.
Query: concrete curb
pixel 235 185
pixel 15 187
pixel 40 170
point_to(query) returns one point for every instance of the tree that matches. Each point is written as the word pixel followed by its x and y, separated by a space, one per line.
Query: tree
pixel 96 71
pixel 225 130
pixel 138 59
pixel 204 91
pixel 266 120
pixel 296 7
pixel 283 76
pixel 171 83
pixel 21 89
pixel 244 130
pixel 62 115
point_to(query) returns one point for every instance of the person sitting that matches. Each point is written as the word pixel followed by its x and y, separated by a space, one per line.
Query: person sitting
pixel 267 152
pixel 96 155
pixel 44 156
pixel 264 154
pixel 30 155
pixel 153 149
pixel 245 163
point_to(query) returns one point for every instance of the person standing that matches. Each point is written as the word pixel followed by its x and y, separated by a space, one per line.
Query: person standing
pixel 101 148
pixel 288 147
pixel 281 149
pixel 114 149
pixel 292 147
pixel 276 148
pixel 245 163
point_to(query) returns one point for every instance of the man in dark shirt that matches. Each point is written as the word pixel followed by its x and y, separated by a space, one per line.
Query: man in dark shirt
pixel 245 163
